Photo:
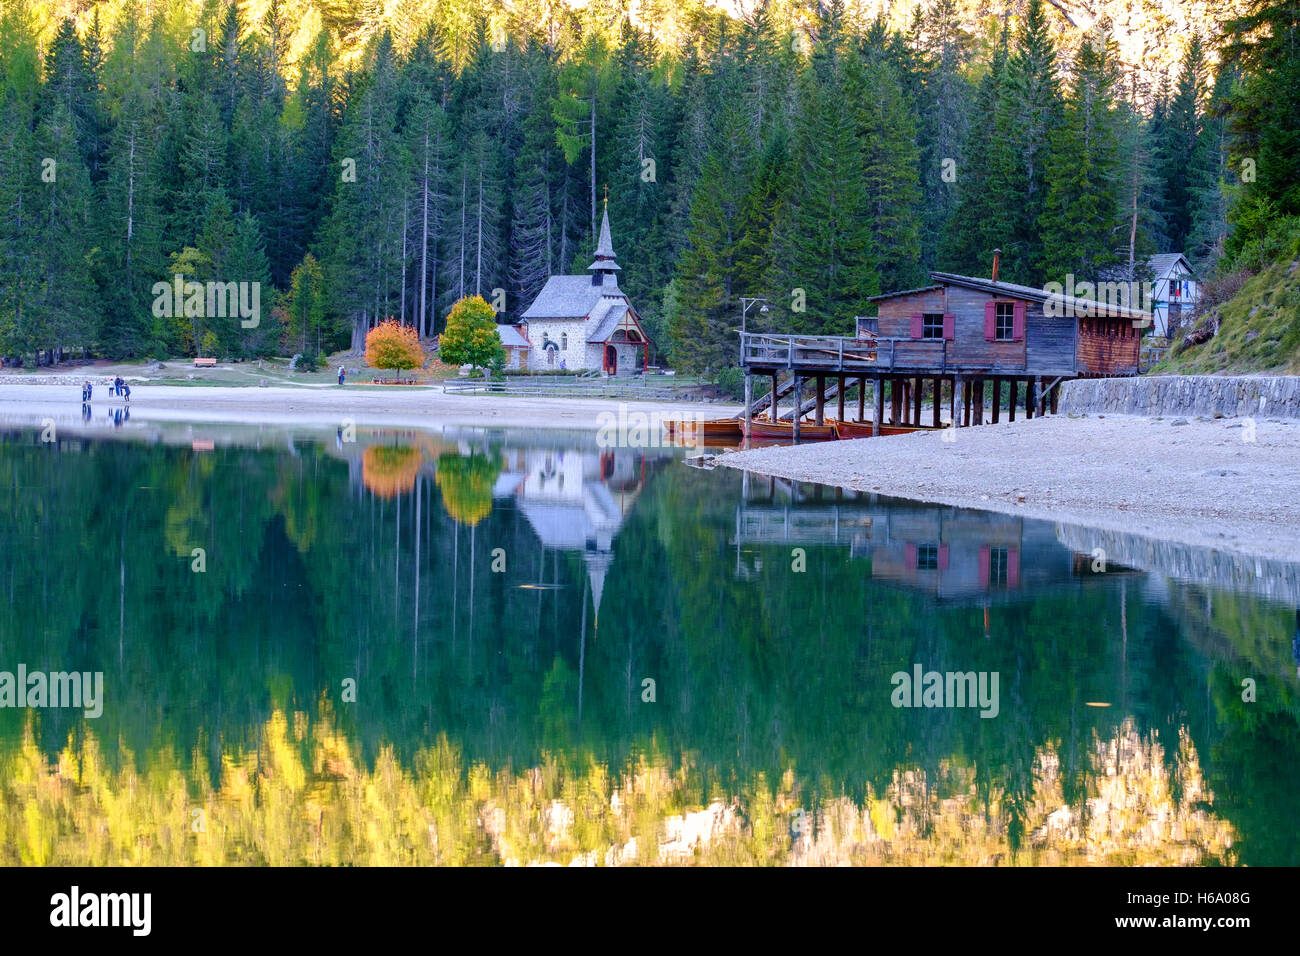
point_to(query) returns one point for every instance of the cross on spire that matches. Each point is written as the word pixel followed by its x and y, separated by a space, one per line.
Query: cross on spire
pixel 607 196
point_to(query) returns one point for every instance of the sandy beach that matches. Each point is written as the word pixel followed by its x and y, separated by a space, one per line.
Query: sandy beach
pixel 1200 482
pixel 405 407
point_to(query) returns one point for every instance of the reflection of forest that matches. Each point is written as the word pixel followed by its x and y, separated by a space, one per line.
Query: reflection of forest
pixel 304 798
pixel 764 674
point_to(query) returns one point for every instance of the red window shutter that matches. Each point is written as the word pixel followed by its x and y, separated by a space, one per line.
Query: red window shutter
pixel 918 325
pixel 943 557
pixel 990 320
pixel 1018 322
pixel 910 561
pixel 984 567
pixel 1013 567
pixel 949 326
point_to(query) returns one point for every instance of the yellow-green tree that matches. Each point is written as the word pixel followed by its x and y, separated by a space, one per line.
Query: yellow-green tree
pixel 471 334
pixel 393 345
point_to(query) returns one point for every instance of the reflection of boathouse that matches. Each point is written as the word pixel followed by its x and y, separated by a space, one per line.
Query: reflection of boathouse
pixel 949 553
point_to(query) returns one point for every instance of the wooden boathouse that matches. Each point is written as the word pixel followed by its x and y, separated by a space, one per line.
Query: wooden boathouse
pixel 961 341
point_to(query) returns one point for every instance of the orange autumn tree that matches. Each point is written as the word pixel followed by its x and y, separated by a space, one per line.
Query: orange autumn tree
pixel 393 345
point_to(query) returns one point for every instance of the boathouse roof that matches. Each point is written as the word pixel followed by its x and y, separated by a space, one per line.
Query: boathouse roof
pixel 1068 303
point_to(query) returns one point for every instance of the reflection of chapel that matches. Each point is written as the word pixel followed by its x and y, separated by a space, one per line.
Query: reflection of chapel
pixel 575 501
pixel 582 322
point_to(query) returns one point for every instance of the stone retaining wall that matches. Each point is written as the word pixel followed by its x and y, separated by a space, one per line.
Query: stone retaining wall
pixel 1260 396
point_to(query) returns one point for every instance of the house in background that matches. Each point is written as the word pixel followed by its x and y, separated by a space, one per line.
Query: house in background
pixel 515 340
pixel 586 321
pixel 1175 292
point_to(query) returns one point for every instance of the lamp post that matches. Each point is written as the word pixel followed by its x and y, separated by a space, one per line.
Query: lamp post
pixel 745 303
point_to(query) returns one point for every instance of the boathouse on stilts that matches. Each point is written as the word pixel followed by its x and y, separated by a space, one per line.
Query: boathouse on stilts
pixel 977 349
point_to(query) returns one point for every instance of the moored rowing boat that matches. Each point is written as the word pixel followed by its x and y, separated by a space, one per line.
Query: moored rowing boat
pixel 863 429
pixel 763 430
pixel 690 429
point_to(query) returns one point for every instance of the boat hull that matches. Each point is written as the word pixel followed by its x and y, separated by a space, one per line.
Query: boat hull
pixel 718 428
pixel 863 429
pixel 784 431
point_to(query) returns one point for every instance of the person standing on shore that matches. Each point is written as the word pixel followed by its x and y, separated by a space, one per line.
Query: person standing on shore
pixel 342 374
pixel 126 392
pixel 88 391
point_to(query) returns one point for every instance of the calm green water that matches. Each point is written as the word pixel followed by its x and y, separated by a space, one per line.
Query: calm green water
pixel 514 593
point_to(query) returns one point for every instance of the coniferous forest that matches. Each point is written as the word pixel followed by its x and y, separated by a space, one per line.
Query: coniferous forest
pixel 362 160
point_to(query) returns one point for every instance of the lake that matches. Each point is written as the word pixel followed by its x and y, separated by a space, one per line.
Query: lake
pixel 469 646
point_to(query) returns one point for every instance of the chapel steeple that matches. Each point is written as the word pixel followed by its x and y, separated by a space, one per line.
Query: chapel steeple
pixel 604 263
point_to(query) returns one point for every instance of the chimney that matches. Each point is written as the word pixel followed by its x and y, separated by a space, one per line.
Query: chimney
pixel 997 258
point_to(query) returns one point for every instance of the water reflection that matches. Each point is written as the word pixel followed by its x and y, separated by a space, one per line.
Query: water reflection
pixel 501 601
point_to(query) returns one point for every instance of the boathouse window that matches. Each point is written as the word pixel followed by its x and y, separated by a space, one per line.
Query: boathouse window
pixel 930 325
pixel 998 567
pixel 927 557
pixel 1005 319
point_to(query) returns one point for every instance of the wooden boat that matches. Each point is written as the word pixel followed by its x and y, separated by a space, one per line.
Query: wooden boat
pixel 764 430
pixel 718 428
pixel 863 429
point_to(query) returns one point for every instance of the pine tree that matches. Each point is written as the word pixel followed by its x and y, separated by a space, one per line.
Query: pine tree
pixel 20 170
pixel 827 262
pixel 1266 149
pixel 1179 135
pixel 980 221
pixel 1213 186
pixel 944 105
pixel 1082 222
pixel 534 231
pixel 1028 113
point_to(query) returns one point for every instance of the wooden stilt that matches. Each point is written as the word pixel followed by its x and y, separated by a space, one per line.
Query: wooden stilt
pixel 749 405
pixel 839 394
pixel 1056 391
pixel 819 410
pixel 878 400
pixel 968 390
pixel 918 386
pixel 1038 392
pixel 1015 395
pixel 1029 398
pixel 895 400
pixel 771 409
pixel 798 406
pixel 862 398
pixel 997 398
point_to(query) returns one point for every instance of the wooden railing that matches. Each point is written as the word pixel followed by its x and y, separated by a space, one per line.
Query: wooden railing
pixel 871 353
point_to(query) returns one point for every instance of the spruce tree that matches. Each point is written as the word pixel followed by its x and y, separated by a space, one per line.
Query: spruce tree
pixel 1028 113
pixel 1082 224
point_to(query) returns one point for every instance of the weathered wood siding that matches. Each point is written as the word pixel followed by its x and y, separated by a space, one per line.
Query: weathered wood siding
pixel 1051 342
pixel 1108 347
pixel 896 313
pixel 968 346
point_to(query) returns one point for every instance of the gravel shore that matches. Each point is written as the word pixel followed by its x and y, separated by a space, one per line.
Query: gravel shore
pixel 407 407
pixel 1209 483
